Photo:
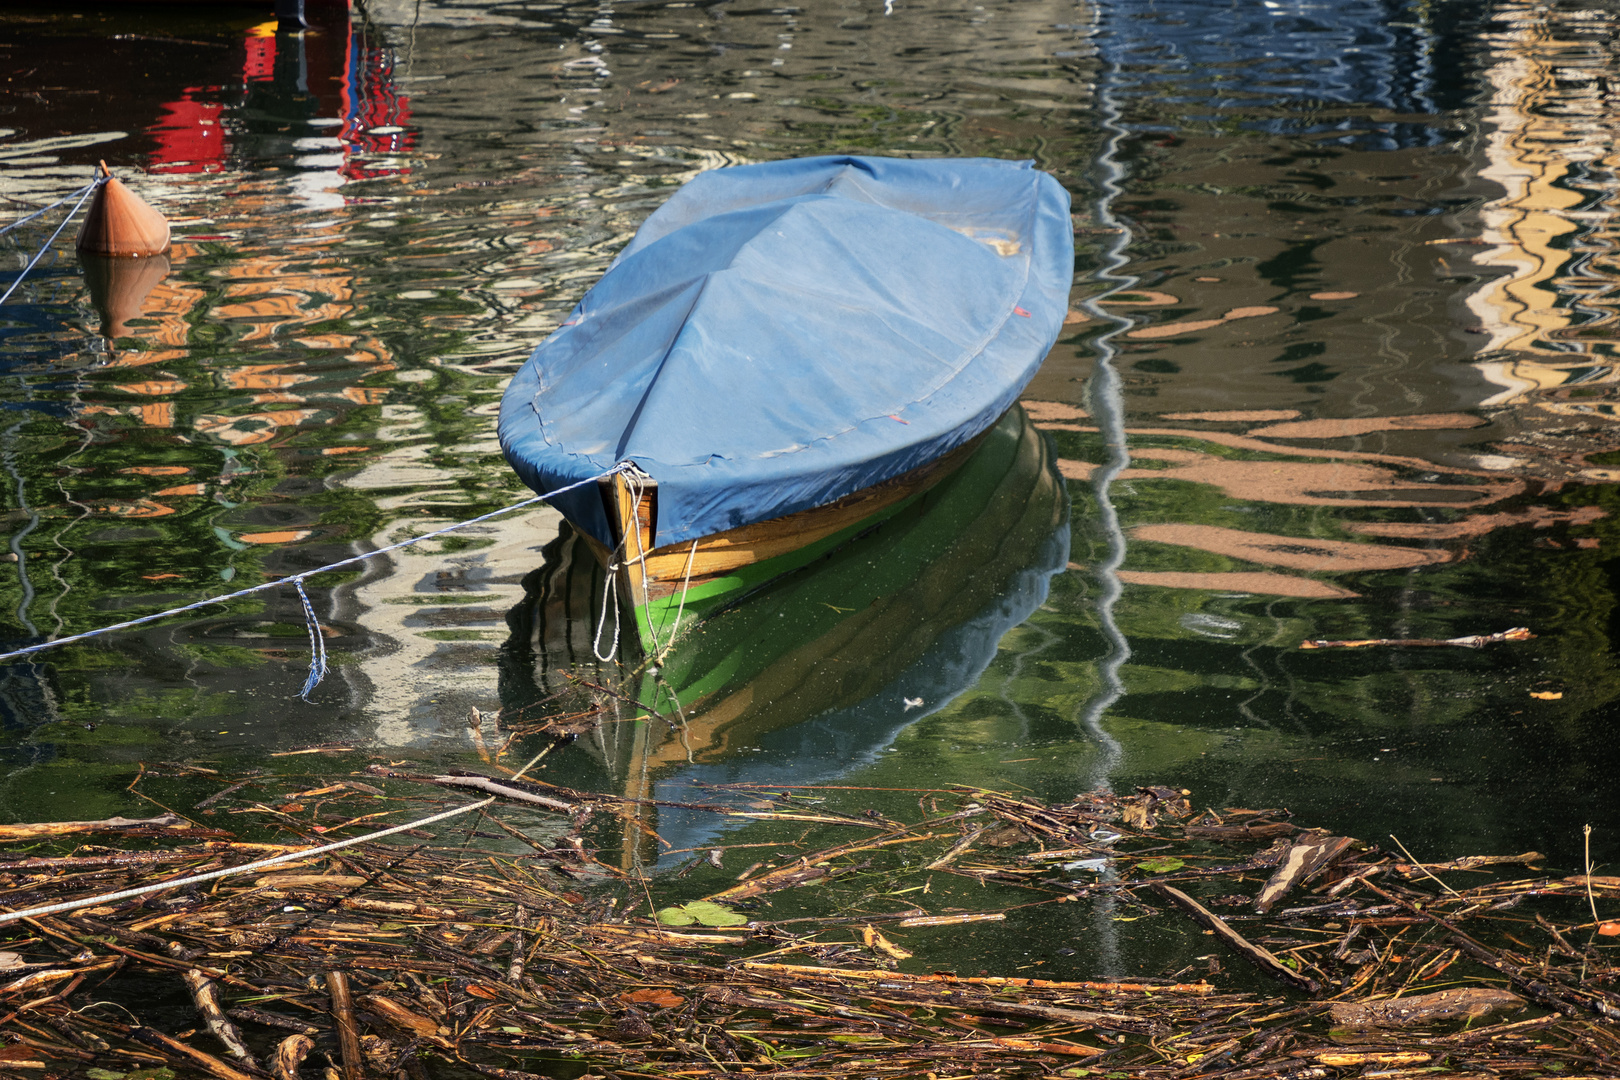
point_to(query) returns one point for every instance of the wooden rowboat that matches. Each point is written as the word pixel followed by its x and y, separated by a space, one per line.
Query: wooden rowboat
pixel 719 567
pixel 784 355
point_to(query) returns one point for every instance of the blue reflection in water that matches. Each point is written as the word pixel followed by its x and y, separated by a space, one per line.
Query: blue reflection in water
pixel 1278 65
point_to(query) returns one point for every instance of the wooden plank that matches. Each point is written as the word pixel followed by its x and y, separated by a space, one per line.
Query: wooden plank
pixel 1303 858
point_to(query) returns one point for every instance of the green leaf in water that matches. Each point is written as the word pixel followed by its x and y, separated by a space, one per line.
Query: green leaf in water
pixel 703 912
pixel 714 915
pixel 103 1074
pixel 1161 866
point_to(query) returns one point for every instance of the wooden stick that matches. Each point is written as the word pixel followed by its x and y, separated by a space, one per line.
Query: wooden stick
pixel 514 970
pixel 206 1062
pixel 957 848
pixel 1235 941
pixel 951 920
pixel 89 1040
pixel 220 794
pixel 867 975
pixel 1260 830
pixel 274 1020
pixel 163 961
pixel 337 984
pixel 56 1049
pixel 64 828
pixel 1471 862
pixel 392 1011
pixel 100 862
pixel 495 787
pixel 1474 641
pixel 206 995
pixel 41 978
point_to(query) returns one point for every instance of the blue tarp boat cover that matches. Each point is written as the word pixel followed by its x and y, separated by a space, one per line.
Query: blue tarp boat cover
pixel 777 336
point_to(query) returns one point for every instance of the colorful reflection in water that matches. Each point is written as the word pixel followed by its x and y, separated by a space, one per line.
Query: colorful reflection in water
pixel 1340 365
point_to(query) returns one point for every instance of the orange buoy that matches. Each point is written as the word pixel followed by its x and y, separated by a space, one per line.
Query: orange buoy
pixel 121 223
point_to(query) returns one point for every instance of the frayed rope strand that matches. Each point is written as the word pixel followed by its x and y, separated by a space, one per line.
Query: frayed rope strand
pixel 40 254
pixel 317 641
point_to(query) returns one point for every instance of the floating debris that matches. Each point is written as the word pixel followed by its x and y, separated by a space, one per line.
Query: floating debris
pixel 1475 641
pixel 387 960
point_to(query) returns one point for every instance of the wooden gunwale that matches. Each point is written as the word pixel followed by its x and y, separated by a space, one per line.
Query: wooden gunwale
pixel 651 573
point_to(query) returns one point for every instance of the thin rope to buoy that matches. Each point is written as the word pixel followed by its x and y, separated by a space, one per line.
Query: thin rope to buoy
pixel 275 860
pixel 610 596
pixel 610 587
pixel 317 661
pixel 88 190
pixel 290 856
pixel 45 209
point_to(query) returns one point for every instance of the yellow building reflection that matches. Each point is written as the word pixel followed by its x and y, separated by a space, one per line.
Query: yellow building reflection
pixel 1549 145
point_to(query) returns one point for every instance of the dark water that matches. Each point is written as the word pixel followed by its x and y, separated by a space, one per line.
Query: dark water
pixel 1340 366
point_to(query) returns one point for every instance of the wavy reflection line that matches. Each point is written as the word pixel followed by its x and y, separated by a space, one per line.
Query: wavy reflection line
pixel 15 542
pixel 1106 403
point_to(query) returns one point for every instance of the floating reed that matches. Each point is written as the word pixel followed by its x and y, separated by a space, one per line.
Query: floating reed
pixel 434 960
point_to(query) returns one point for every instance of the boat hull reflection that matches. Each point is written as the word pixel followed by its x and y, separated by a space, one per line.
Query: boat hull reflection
pixel 818 671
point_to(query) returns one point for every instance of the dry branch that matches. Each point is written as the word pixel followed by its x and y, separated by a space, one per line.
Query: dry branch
pixel 205 993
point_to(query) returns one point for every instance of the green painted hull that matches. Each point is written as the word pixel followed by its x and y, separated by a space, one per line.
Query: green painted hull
pixel 836 629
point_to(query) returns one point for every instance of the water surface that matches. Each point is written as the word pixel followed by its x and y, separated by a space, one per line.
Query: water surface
pixel 1339 366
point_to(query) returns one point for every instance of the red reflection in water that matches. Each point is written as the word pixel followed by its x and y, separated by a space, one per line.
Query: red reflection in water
pixel 337 74
pixel 371 102
pixel 190 137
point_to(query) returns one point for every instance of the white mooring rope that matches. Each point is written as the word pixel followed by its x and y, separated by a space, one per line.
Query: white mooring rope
pixel 88 190
pixel 317 661
pixel 245 868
